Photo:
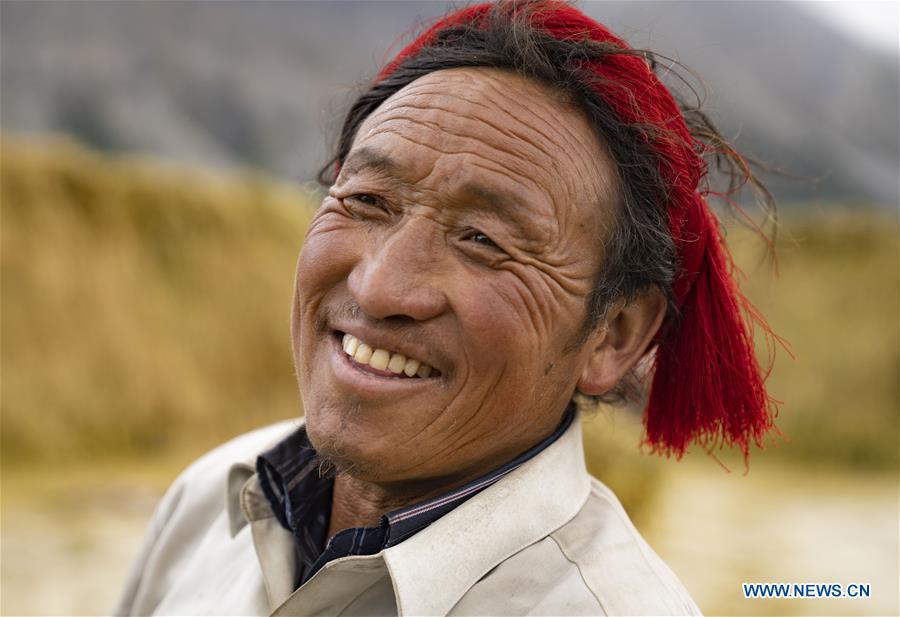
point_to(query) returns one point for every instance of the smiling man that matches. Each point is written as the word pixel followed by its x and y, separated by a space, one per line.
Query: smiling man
pixel 514 217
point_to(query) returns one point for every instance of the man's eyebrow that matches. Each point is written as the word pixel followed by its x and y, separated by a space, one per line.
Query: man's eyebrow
pixel 508 205
pixel 505 202
pixel 369 158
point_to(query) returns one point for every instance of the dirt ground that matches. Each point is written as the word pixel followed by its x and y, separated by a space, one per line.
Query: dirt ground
pixel 779 525
pixel 67 542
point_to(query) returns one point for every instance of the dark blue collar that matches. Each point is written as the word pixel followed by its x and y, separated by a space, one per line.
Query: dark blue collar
pixel 301 497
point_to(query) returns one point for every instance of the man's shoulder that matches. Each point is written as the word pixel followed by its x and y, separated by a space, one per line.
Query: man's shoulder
pixel 616 564
pixel 190 529
pixel 596 563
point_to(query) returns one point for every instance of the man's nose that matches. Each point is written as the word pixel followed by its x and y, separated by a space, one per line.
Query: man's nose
pixel 398 274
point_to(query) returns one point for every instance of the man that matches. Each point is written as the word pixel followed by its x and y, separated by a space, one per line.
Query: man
pixel 514 218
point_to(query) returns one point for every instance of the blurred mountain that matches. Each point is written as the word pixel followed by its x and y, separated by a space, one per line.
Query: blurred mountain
pixel 264 83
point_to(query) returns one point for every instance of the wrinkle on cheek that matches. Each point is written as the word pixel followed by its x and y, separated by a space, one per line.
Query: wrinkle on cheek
pixel 537 311
pixel 445 427
pixel 572 280
pixel 498 427
pixel 558 265
pixel 409 442
pixel 541 300
pixel 543 293
pixel 471 429
pixel 481 416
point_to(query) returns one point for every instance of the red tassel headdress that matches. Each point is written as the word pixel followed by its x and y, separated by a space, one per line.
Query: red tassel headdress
pixel 707 384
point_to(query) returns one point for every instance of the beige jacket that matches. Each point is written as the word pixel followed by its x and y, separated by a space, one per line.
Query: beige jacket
pixel 547 539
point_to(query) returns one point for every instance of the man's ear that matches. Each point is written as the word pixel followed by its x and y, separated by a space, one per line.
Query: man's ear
pixel 620 340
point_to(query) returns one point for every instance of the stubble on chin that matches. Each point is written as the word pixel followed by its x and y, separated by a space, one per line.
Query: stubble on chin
pixel 331 451
pixel 333 465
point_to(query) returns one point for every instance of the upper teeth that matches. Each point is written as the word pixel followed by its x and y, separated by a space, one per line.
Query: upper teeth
pixel 382 359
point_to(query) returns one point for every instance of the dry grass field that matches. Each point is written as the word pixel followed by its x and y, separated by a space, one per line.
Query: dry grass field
pixel 145 309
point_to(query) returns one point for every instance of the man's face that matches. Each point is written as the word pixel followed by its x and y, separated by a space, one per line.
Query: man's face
pixel 463 233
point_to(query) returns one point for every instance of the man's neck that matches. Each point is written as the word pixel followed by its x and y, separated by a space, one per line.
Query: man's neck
pixel 357 503
pixel 360 503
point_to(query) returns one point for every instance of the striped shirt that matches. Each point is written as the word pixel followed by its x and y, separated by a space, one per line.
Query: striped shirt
pixel 300 496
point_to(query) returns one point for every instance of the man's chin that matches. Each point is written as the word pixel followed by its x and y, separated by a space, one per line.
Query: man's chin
pixel 343 448
pixel 331 465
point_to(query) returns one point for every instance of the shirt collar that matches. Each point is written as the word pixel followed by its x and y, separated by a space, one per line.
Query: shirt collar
pixel 238 475
pixel 300 498
pixel 434 568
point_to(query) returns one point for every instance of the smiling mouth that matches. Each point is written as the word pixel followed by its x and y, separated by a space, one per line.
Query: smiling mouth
pixel 382 362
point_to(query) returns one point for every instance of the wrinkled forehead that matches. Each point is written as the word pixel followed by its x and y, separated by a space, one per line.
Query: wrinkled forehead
pixel 456 126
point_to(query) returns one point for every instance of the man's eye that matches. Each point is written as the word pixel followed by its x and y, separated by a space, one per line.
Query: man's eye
pixel 363 198
pixel 481 238
pixel 366 206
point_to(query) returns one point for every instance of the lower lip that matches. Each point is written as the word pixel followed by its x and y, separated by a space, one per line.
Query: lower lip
pixel 368 380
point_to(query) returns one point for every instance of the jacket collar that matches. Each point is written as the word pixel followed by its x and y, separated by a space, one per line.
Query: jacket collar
pixel 434 568
pixel 431 570
pixel 238 475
